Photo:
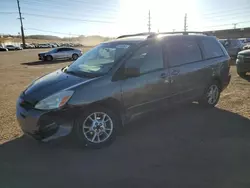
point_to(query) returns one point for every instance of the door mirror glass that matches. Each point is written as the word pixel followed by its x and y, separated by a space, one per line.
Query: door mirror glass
pixel 131 72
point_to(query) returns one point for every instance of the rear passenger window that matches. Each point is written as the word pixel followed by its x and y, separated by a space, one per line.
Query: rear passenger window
pixel 211 48
pixel 180 52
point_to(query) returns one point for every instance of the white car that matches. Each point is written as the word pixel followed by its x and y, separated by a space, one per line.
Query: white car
pixel 44 46
pixel 12 47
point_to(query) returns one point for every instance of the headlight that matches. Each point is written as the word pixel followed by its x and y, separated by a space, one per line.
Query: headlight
pixel 54 101
pixel 241 57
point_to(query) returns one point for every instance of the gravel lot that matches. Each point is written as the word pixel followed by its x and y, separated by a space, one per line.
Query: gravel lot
pixel 183 147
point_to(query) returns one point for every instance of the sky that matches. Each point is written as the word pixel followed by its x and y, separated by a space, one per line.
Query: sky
pixel 69 18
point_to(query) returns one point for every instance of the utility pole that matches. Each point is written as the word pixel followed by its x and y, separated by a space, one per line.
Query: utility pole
pixel 149 22
pixel 21 21
pixel 235 24
pixel 185 22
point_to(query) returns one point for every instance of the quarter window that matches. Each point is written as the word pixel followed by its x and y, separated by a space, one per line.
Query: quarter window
pixel 211 48
pixel 148 58
pixel 181 52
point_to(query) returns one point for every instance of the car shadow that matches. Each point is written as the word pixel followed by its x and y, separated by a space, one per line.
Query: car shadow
pixel 246 77
pixel 183 147
pixel 32 63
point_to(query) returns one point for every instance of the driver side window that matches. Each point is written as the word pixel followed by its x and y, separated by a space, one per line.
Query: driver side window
pixel 147 58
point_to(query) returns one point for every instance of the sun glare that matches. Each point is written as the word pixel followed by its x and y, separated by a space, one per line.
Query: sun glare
pixel 166 15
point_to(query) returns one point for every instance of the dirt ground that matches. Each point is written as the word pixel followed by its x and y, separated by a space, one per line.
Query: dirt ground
pixel 184 147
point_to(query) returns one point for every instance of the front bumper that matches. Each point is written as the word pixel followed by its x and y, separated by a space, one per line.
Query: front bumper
pixel 243 65
pixel 44 125
pixel 41 57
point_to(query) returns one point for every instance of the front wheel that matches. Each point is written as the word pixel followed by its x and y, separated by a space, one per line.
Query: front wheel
pixel 75 56
pixel 211 96
pixel 49 58
pixel 241 74
pixel 97 127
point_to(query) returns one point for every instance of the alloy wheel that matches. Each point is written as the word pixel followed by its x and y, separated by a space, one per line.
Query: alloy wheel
pixel 212 94
pixel 97 127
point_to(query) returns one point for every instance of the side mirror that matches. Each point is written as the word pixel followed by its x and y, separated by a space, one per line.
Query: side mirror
pixel 131 72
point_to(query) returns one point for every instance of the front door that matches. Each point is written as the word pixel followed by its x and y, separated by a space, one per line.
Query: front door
pixel 150 90
pixel 60 54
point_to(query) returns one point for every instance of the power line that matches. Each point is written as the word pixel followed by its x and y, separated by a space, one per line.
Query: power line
pixel 242 12
pixel 226 10
pixel 8 12
pixel 63 5
pixel 248 21
pixel 61 12
pixel 76 1
pixel 64 18
pixel 66 8
pixel 33 29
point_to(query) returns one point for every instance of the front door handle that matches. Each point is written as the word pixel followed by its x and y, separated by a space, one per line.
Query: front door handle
pixel 175 72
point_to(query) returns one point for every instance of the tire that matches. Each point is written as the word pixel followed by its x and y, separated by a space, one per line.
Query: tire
pixel 211 95
pixel 75 56
pixel 91 134
pixel 49 58
pixel 241 74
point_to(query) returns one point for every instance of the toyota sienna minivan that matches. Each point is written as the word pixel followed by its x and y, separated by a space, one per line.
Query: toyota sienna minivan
pixel 120 80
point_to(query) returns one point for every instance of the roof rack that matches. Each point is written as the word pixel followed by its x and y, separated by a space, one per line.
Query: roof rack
pixel 187 32
pixel 134 35
pixel 152 34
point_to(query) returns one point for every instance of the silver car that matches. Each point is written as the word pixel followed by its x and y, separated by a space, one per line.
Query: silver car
pixel 233 46
pixel 60 53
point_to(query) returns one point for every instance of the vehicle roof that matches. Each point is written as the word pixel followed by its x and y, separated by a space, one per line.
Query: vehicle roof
pixel 136 39
pixel 66 47
pixel 139 39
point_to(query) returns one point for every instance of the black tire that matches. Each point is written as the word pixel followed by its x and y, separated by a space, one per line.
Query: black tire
pixel 241 74
pixel 206 100
pixel 84 138
pixel 49 58
pixel 75 56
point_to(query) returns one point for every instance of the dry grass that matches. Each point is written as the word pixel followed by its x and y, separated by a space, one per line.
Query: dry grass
pixel 15 77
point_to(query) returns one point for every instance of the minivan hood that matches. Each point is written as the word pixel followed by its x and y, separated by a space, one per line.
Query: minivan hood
pixel 244 52
pixel 50 84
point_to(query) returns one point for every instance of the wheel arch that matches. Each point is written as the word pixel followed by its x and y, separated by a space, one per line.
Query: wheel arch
pixel 112 104
pixel 218 80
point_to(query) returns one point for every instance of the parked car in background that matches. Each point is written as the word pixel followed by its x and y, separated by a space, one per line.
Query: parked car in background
pixel 12 47
pixel 233 46
pixel 60 53
pixel 28 46
pixel 120 80
pixel 53 45
pixel 3 49
pixel 246 46
pixel 44 46
pixel 243 62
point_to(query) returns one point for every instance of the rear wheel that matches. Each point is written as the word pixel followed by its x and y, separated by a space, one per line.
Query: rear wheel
pixel 211 95
pixel 49 58
pixel 97 127
pixel 75 56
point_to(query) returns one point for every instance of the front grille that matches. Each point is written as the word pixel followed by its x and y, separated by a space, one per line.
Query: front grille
pixel 246 59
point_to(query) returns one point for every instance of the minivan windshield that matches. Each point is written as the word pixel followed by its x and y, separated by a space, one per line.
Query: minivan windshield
pixel 99 60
